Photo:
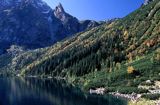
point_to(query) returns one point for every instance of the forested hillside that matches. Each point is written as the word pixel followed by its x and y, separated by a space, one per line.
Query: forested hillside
pixel 104 47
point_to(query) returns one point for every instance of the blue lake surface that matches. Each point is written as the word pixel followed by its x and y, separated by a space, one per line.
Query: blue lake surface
pixel 31 91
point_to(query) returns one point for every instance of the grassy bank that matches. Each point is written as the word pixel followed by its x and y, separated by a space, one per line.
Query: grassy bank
pixel 143 102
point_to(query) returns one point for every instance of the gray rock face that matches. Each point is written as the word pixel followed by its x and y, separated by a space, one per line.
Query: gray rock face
pixel 29 24
pixel 72 24
pixel 14 49
pixel 147 1
pixel 33 24
pixel 60 13
pixel 87 24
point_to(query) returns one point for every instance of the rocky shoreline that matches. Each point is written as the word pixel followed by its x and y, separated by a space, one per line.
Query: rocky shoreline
pixel 133 98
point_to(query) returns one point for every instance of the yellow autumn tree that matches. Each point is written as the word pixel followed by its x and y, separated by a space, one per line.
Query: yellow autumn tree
pixel 126 34
pixel 130 69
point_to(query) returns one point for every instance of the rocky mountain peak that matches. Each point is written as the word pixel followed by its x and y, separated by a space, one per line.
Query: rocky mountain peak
pixel 59 12
pixel 59 8
pixel 147 1
pixel 28 23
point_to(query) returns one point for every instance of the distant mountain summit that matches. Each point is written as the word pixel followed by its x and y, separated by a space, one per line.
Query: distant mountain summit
pixel 147 1
pixel 33 24
pixel 60 13
pixel 72 24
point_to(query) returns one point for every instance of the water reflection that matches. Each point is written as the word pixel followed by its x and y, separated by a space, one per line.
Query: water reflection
pixel 27 91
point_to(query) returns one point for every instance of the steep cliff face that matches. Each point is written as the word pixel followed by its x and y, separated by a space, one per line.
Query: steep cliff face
pixel 72 24
pixel 33 24
pixel 28 23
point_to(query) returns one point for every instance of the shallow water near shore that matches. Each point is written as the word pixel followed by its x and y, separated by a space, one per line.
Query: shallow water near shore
pixel 33 91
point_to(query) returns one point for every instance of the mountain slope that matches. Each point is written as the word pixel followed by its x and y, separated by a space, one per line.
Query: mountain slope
pixel 115 42
pixel 28 23
pixel 119 41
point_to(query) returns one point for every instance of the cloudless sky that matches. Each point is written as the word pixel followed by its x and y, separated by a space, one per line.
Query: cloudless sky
pixel 97 9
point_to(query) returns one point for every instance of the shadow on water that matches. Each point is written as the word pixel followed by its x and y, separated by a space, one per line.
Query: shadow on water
pixel 29 91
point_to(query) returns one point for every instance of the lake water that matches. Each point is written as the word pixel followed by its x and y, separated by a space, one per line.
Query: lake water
pixel 29 91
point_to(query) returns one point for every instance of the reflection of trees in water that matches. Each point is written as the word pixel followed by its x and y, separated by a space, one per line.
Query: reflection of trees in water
pixel 53 92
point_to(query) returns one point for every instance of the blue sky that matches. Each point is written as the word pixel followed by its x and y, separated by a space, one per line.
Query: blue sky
pixel 97 9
